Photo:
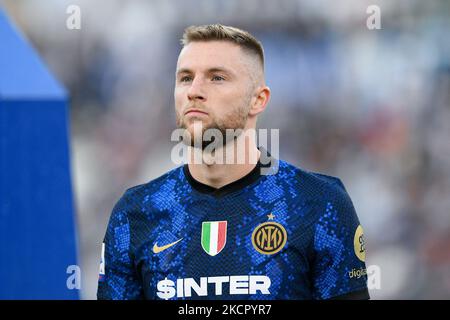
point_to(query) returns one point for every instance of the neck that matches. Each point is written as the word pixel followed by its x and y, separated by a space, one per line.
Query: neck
pixel 238 159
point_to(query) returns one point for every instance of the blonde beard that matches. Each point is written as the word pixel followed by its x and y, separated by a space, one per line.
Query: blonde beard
pixel 237 121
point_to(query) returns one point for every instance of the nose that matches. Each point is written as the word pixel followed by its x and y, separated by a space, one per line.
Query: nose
pixel 195 91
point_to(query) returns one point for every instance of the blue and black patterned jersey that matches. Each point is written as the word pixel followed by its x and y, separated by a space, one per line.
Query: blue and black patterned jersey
pixel 292 234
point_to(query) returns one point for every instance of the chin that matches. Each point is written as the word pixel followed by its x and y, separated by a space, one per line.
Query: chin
pixel 189 124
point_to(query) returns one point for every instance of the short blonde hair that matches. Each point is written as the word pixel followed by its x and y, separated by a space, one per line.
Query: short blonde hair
pixel 218 32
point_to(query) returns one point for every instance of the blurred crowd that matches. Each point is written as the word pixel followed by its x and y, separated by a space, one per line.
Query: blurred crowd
pixel 371 107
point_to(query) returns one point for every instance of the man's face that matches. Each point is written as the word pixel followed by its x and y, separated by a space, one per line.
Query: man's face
pixel 213 86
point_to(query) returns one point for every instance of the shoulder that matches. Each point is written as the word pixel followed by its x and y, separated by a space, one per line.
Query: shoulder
pixel 324 194
pixel 312 184
pixel 135 198
pixel 139 192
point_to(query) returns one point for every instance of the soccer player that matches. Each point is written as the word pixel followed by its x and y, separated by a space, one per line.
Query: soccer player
pixel 225 230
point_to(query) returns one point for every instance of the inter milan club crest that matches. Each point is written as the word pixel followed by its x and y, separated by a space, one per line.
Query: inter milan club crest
pixel 269 237
pixel 214 236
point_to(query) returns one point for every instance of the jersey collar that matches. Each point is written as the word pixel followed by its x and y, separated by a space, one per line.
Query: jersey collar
pixel 234 186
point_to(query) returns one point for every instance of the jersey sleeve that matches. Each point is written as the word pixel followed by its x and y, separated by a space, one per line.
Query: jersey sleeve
pixel 118 279
pixel 339 270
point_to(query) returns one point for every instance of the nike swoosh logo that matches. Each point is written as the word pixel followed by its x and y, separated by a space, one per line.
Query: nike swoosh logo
pixel 157 249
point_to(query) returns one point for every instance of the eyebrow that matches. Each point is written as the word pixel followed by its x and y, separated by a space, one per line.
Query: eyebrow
pixel 210 70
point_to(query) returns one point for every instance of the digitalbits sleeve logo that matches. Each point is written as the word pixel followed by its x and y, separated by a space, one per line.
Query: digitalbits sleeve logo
pixel 359 244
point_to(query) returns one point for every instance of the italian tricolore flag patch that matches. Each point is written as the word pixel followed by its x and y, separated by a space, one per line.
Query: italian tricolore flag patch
pixel 214 236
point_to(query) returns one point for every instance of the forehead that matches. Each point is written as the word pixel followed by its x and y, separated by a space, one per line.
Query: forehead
pixel 201 55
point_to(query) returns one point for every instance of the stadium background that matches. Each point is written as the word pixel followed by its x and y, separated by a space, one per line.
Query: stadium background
pixel 369 106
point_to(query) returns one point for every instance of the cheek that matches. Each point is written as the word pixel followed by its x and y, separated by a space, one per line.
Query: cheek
pixel 236 101
pixel 178 97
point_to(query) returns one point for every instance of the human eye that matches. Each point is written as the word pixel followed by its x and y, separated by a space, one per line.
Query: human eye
pixel 185 78
pixel 217 78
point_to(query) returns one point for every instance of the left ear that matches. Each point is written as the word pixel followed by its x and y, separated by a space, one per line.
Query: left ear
pixel 260 100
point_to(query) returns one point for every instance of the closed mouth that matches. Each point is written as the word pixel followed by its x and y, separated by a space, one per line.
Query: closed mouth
pixel 195 111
